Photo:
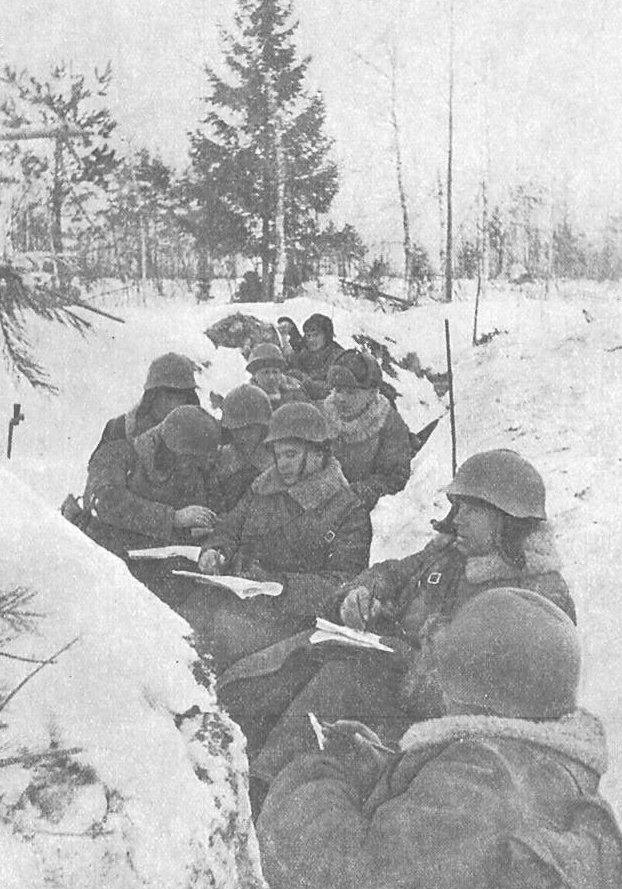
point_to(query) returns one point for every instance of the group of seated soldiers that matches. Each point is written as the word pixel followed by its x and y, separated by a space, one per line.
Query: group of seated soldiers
pixel 453 754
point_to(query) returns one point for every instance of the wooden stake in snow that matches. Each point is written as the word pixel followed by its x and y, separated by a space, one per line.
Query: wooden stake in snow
pixel 452 406
pixel 450 161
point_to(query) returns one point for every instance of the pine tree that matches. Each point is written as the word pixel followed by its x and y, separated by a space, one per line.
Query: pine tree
pixel 80 164
pixel 264 156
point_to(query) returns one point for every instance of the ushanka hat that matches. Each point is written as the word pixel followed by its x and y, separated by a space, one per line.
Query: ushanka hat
pixel 354 370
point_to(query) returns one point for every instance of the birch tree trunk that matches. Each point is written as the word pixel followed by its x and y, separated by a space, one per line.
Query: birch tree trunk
pixel 279 219
pixel 399 169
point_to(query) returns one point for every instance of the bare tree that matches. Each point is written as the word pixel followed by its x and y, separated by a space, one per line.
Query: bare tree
pixel 391 78
pixel 399 171
pixel 450 161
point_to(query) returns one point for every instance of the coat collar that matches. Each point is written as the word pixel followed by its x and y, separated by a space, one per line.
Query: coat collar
pixel 309 492
pixel 580 735
pixel 367 425
pixel 540 555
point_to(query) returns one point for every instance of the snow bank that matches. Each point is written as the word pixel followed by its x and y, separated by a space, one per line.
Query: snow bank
pixel 550 388
pixel 146 796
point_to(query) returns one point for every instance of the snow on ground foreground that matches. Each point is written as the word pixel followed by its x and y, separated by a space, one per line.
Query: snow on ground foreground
pixel 144 796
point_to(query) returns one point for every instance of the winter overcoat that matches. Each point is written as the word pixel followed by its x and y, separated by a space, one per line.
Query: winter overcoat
pixel 234 474
pixel 476 802
pixel 313 368
pixel 373 449
pixel 386 691
pixel 127 427
pixel 133 504
pixel 310 537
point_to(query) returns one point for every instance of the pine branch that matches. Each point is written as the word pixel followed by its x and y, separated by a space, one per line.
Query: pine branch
pixel 29 759
pixel 31 675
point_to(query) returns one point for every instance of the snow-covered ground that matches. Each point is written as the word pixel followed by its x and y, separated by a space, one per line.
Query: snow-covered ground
pixel 549 387
pixel 142 781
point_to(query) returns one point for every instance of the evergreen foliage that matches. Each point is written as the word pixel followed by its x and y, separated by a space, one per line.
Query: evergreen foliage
pixel 79 164
pixel 263 132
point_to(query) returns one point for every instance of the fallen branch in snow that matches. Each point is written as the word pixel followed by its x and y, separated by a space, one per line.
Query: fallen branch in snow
pixel 17 657
pixel 43 664
pixel 31 758
pixel 614 349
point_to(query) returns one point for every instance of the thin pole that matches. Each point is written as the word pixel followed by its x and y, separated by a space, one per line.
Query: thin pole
pixel 450 156
pixel 452 406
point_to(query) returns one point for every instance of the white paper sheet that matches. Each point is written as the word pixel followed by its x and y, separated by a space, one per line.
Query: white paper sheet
pixel 166 552
pixel 241 586
pixel 329 632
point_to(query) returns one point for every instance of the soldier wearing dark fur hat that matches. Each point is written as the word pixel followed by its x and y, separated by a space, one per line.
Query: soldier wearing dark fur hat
pixel 371 441
pixel 319 352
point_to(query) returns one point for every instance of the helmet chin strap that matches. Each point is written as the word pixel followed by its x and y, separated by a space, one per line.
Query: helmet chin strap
pixel 304 465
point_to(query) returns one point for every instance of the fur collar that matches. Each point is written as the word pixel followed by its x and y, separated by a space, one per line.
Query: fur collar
pixel 309 492
pixel 365 426
pixel 580 735
pixel 131 423
pixel 540 554
pixel 145 446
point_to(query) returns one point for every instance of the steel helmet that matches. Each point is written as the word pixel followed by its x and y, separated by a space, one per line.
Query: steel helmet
pixel 503 479
pixel 246 406
pixel 510 652
pixel 190 430
pixel 171 371
pixel 298 420
pixel 265 355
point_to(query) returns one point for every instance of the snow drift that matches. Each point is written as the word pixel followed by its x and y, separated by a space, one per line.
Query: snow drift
pixel 117 768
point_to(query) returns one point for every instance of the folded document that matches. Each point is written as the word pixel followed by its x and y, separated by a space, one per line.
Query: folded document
pixel 241 586
pixel 329 632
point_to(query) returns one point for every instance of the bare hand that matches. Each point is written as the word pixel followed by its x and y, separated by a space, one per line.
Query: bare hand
pixel 211 561
pixel 254 571
pixel 359 608
pixel 359 750
pixel 194 517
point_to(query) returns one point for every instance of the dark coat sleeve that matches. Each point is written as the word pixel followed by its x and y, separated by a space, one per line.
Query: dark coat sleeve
pixel 386 580
pixel 108 497
pixel 228 532
pixel 307 594
pixel 437 831
pixel 391 469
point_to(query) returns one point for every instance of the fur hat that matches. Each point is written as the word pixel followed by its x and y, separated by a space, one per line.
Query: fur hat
pixel 354 370
pixel 509 652
pixel 322 323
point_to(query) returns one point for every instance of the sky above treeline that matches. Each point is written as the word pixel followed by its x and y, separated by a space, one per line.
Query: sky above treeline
pixel 538 91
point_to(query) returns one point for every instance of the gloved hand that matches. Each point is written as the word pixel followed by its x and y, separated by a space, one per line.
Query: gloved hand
pixel 359 608
pixel 360 752
pixel 211 561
